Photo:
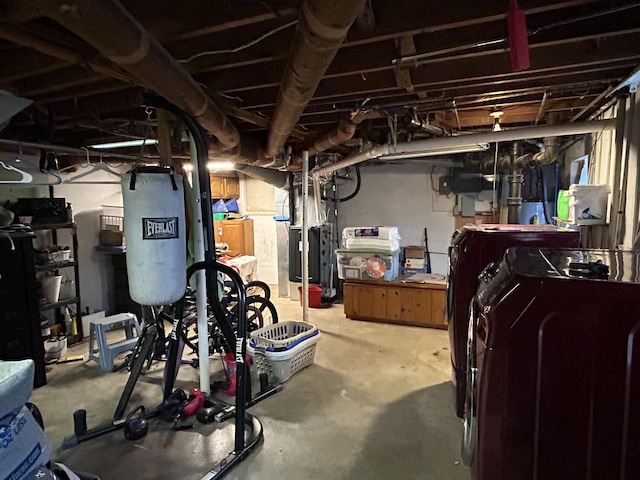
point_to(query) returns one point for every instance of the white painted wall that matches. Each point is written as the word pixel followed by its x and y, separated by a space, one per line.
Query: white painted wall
pixel 87 201
pixel 258 201
pixel 402 196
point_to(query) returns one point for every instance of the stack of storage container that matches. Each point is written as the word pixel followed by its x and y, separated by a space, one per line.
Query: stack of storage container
pixel 369 253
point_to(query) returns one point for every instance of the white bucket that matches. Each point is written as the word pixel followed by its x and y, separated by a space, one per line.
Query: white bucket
pixel 588 204
pixel 55 348
pixel 51 288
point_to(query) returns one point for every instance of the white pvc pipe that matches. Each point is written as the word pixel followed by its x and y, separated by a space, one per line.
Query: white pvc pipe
pixel 305 236
pixel 201 279
pixel 441 144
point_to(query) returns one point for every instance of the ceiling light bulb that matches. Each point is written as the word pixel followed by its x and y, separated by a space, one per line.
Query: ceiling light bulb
pixel 496 113
pixel 220 166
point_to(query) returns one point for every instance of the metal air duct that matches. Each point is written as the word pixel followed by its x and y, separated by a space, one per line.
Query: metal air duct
pixel 516 179
pixel 472 140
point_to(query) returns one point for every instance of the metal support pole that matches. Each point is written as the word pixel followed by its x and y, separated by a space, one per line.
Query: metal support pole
pixel 516 179
pixel 201 279
pixel 305 236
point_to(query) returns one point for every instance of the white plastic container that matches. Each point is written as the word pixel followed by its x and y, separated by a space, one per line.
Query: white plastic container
pixel 367 264
pixel 588 204
pixel 51 288
pixel 55 348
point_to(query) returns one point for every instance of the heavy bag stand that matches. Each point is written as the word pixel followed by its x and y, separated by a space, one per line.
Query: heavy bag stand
pixel 241 448
pixel 243 419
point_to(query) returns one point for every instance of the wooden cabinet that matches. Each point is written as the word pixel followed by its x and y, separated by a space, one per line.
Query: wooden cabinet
pixel 237 234
pixel 416 304
pixel 224 187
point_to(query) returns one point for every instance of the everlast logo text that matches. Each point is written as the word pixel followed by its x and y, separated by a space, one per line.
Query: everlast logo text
pixel 159 228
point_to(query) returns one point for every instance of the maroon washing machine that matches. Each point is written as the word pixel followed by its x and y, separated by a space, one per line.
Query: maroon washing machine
pixel 472 248
pixel 554 385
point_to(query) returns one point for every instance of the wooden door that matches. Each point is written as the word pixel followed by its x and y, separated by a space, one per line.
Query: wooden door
pixel 365 302
pixel 233 235
pixel 218 231
pixel 217 186
pixel 401 305
pixel 424 307
pixel 231 187
pixel 438 301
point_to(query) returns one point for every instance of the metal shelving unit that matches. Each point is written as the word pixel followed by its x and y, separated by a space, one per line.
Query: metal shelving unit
pixel 57 267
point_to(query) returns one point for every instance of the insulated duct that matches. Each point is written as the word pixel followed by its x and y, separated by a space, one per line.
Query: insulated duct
pixel 321 31
pixel 113 31
pixel 344 132
pixel 277 178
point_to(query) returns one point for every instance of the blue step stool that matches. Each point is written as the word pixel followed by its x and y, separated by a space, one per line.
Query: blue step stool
pixel 104 353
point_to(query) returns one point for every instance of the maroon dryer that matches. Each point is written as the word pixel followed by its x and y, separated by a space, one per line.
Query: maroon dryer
pixel 556 370
pixel 472 248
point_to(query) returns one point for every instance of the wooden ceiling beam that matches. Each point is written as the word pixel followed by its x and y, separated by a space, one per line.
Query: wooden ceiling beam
pixel 415 18
pixel 242 20
pixel 65 79
pixel 71 55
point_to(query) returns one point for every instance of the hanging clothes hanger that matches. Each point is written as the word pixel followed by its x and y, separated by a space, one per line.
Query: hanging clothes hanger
pixel 93 168
pixel 18 171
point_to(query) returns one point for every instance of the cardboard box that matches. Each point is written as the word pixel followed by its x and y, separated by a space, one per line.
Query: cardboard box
pixel 414 262
pixel 111 238
pixel 414 252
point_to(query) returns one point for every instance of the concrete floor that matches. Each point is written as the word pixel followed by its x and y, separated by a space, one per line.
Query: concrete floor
pixel 376 404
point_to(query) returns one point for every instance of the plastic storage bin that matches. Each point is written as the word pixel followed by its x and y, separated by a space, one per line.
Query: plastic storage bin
pixel 282 349
pixel 588 204
pixel 368 264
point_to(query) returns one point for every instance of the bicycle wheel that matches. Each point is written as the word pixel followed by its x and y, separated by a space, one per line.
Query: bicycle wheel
pixel 256 288
pixel 260 313
pixel 142 353
pixel 189 332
